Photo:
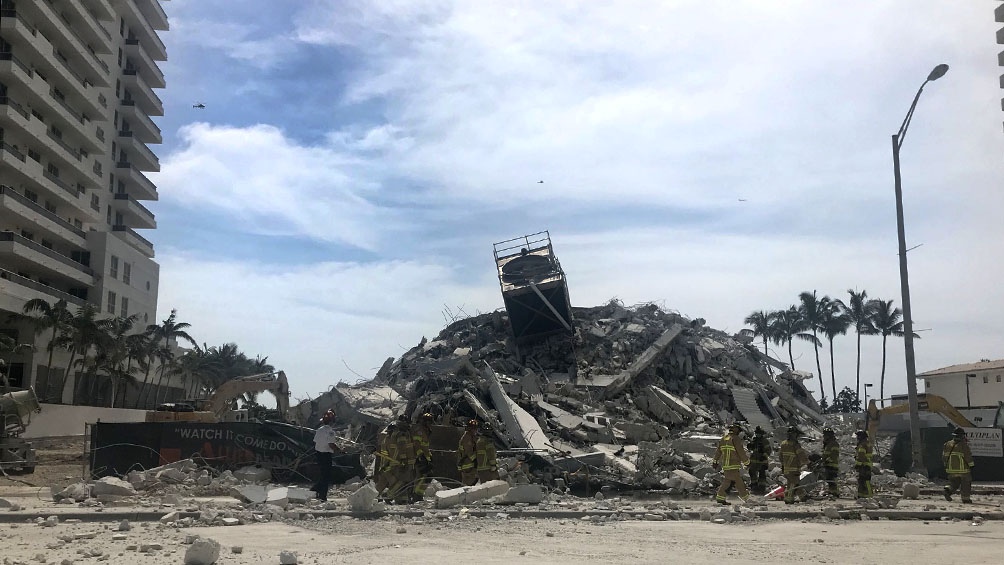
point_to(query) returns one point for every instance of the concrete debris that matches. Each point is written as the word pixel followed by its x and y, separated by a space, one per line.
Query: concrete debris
pixel 112 486
pixel 203 551
pixel 364 499
pixel 288 558
pixel 468 495
pixel 253 474
pixel 911 491
pixel 526 494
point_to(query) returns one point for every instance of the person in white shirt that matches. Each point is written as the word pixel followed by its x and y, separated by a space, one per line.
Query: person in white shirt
pixel 324 445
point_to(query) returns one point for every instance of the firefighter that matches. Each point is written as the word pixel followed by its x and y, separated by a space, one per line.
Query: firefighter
pixel 831 462
pixel 487 460
pixel 467 454
pixel 958 460
pixel 404 471
pixel 793 458
pixel 423 454
pixel 760 451
pixel 863 464
pixel 730 457
pixel 386 458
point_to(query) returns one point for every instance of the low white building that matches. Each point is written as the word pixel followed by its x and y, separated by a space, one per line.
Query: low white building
pixel 972 385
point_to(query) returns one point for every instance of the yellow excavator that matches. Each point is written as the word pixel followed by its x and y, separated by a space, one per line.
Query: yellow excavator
pixel 925 403
pixel 220 407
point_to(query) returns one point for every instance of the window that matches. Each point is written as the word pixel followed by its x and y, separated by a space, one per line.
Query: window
pixel 31 195
pixel 998 378
pixel 986 379
pixel 52 170
pixel 111 302
pixel 148 285
pixel 125 307
pixel 113 267
pixel 49 206
pixel 34 155
pixel 46 243
pixel 127 275
pixel 28 235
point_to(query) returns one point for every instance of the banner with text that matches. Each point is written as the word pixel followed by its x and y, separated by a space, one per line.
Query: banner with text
pixel 985 442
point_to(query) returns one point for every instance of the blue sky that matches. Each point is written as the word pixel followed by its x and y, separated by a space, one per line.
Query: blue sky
pixel 356 160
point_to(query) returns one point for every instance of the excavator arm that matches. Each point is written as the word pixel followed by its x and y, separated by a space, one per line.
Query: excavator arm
pixel 275 383
pixel 925 403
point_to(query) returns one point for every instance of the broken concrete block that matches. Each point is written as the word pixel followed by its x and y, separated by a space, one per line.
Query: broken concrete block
pixel 467 495
pixel 169 517
pixel 252 494
pixel 253 474
pixel 231 522
pixel 288 558
pixel 171 476
pixel 529 494
pixel 687 481
pixel 4 503
pixel 363 499
pixel 831 513
pixel 78 492
pixel 298 495
pixel 203 551
pixel 278 497
pixel 911 491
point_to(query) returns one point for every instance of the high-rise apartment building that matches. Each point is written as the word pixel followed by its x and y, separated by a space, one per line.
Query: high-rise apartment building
pixel 77 80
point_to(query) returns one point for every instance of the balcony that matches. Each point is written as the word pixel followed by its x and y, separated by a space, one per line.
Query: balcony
pixel 136 215
pixel 140 155
pixel 20 251
pixel 18 204
pixel 140 187
pixel 999 14
pixel 15 168
pixel 14 278
pixel 102 10
pixel 10 108
pixel 134 239
pixel 91 29
pixel 142 94
pixel 141 125
pixel 50 20
pixel 148 68
pixel 155 14
pixel 139 26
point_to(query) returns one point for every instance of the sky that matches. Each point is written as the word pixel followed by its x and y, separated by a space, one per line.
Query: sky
pixel 338 197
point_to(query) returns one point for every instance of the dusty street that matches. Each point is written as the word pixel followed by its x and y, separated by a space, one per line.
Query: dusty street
pixel 498 540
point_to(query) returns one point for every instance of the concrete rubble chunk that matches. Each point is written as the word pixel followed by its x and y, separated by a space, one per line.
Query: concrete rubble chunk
pixel 364 498
pixel 172 476
pixel 278 497
pixel 203 551
pixel 643 361
pixel 253 474
pixel 77 492
pixel 528 494
pixel 687 481
pixel 831 513
pixel 298 495
pixel 288 558
pixel 468 495
pixel 251 494
pixel 911 491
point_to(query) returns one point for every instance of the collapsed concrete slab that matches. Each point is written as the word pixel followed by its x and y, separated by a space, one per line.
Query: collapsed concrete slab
pixel 524 494
pixel 112 486
pixel 521 428
pixel 203 551
pixel 643 361
pixel 468 495
pixel 364 499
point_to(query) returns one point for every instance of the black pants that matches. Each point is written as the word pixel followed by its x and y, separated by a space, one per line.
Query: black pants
pixel 324 474
pixel 758 477
pixel 831 474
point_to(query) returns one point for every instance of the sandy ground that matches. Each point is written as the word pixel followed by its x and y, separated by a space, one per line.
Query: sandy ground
pixel 497 540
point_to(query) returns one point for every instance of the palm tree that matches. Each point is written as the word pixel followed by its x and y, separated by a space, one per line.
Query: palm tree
pixel 114 355
pixel 169 329
pixel 859 312
pixel 833 322
pixel 44 316
pixel 761 323
pixel 887 321
pixel 788 325
pixel 83 332
pixel 812 309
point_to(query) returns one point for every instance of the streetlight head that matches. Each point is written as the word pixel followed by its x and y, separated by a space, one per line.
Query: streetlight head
pixel 938 72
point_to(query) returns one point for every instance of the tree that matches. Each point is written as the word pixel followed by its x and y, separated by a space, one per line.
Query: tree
pixel 887 321
pixel 44 316
pixel 846 402
pixel 761 323
pixel 169 329
pixel 9 346
pixel 83 332
pixel 833 322
pixel 859 313
pixel 114 354
pixel 788 325
pixel 811 310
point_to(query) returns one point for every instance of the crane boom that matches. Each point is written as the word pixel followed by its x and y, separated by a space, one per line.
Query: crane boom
pixel 274 382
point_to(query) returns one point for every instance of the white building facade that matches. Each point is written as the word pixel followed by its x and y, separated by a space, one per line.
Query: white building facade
pixel 972 385
pixel 77 80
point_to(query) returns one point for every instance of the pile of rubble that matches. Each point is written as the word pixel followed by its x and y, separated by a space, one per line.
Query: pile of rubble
pixel 636 396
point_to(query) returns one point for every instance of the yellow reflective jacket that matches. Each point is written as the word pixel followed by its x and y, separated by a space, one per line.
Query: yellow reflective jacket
pixel 863 454
pixel 793 457
pixel 957 457
pixel 730 453
pixel 831 454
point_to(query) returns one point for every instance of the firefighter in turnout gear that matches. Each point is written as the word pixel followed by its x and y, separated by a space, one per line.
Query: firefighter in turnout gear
pixel 467 454
pixel 420 435
pixel 958 460
pixel 793 458
pixel 831 462
pixel 863 464
pixel 404 470
pixel 487 459
pixel 386 458
pixel 730 457
pixel 760 452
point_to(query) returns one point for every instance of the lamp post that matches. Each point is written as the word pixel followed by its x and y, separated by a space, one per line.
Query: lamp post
pixel 867 386
pixel 904 279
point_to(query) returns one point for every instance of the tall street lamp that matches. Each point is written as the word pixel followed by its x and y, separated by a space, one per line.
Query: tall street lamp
pixel 867 386
pixel 904 280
